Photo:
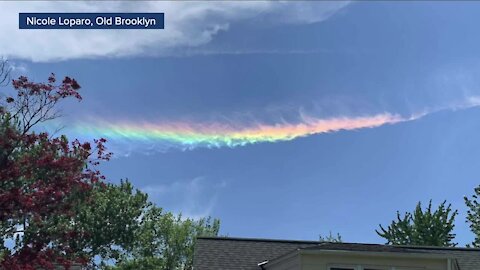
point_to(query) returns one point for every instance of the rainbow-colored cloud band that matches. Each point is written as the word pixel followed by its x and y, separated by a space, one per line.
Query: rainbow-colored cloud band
pixel 127 136
pixel 211 135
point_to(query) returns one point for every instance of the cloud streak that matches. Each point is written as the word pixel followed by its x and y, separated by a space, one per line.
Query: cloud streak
pixel 193 135
pixel 134 136
pixel 189 135
pixel 187 25
pixel 194 198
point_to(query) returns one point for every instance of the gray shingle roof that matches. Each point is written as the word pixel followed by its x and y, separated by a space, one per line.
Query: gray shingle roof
pixel 215 253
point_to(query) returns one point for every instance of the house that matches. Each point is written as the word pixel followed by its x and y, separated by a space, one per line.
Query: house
pixel 225 253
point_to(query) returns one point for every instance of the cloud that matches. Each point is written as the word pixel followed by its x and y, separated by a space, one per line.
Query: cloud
pixel 18 68
pixel 154 136
pixel 150 137
pixel 194 198
pixel 187 25
pixel 185 53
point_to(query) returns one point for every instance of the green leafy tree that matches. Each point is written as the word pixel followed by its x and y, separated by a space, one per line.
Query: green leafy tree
pixel 166 241
pixel 473 215
pixel 110 220
pixel 422 228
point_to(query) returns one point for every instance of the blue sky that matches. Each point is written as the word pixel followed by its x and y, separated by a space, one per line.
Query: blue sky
pixel 255 61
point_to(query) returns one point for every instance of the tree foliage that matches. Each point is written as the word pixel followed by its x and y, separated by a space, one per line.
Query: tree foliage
pixel 42 179
pixel 330 238
pixel 424 228
pixel 124 229
pixel 110 223
pixel 473 215
pixel 166 241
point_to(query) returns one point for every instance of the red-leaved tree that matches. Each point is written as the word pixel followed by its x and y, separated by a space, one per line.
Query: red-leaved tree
pixel 42 179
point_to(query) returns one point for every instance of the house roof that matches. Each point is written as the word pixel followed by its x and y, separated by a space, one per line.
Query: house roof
pixel 215 253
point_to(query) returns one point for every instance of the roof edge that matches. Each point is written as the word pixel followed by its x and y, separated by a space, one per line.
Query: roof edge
pixel 258 240
pixel 224 238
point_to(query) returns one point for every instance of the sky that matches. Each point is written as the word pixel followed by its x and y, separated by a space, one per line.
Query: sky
pixel 282 119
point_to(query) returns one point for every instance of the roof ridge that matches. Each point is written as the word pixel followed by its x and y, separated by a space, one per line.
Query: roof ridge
pixel 438 248
pixel 326 242
pixel 258 239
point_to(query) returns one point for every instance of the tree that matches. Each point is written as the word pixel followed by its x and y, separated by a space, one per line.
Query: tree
pixel 473 215
pixel 42 179
pixel 110 222
pixel 422 228
pixel 126 230
pixel 166 241
pixel 4 72
pixel 330 238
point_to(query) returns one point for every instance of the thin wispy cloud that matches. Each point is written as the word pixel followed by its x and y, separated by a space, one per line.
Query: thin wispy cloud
pixel 18 68
pixel 196 52
pixel 188 25
pixel 194 198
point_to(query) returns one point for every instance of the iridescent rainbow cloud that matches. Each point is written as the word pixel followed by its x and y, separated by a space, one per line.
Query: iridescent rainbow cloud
pixel 186 135
pixel 131 136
